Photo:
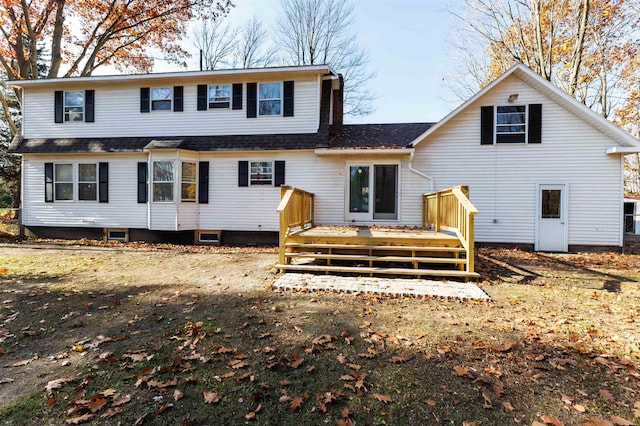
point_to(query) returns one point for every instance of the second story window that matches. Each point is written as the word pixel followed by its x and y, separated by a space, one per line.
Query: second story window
pixel 219 96
pixel 161 98
pixel 511 124
pixel 269 98
pixel 74 105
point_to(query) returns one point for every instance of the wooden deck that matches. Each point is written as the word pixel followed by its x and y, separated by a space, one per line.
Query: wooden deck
pixel 375 251
pixel 397 251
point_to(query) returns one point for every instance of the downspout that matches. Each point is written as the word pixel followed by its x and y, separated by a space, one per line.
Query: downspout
pixel 418 172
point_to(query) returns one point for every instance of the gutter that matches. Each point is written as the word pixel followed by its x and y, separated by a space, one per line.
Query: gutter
pixel 622 150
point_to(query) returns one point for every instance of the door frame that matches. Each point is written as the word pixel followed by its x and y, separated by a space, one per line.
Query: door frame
pixel 564 209
pixel 372 163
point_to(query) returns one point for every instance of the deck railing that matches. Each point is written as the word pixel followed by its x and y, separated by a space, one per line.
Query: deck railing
pixel 451 210
pixel 296 211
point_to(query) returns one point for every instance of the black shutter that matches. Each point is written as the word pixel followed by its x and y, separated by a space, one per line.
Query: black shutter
pixel 252 100
pixel 103 182
pixel 89 103
pixel 202 97
pixel 145 99
pixel 237 96
pixel 143 188
pixel 178 98
pixel 203 182
pixel 535 123
pixel 279 174
pixel 59 113
pixel 48 182
pixel 243 173
pixel 486 125
pixel 287 110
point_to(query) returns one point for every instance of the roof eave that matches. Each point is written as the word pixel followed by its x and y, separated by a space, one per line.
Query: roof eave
pixel 312 69
pixel 622 150
pixel 362 151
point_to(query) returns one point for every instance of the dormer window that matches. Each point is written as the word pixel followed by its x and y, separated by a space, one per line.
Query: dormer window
pixel 511 124
pixel 219 96
pixel 74 105
pixel 161 98
pixel 269 98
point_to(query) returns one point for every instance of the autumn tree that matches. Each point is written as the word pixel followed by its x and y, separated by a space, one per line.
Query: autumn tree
pixel 82 36
pixel 312 32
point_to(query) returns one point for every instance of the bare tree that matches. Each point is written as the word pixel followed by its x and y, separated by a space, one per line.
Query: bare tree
pixel 217 42
pixel 320 32
pixel 251 50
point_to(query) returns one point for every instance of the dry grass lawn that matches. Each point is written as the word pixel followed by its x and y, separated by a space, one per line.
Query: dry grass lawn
pixel 143 334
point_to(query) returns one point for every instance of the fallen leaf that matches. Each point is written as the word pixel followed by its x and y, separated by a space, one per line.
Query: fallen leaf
pixel 298 329
pixel 621 421
pixel 166 406
pixel 488 404
pixel 177 395
pixel 507 406
pixel 579 408
pixel 296 402
pixel 430 402
pixel 56 384
pixel 295 363
pixel 121 401
pixel 398 359
pixel 382 398
pixel 460 371
pixel 211 397
pixel 140 420
pixel 21 363
pixel 80 419
pixel 110 413
pixel 606 395
pixel 466 423
pixel 96 403
pixel 550 420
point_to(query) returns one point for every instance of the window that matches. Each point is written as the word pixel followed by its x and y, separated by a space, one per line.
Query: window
pixel 261 173
pixel 269 98
pixel 74 105
pixel 188 184
pixel 63 182
pixel 163 181
pixel 219 96
pixel 551 203
pixel 511 124
pixel 87 182
pixel 161 98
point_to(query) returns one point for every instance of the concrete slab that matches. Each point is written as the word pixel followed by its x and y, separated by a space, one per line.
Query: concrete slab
pixel 377 285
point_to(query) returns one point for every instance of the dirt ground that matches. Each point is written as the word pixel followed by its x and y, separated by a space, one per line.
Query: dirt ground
pixel 559 343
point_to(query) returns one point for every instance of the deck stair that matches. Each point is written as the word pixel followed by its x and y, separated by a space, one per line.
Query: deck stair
pixel 399 251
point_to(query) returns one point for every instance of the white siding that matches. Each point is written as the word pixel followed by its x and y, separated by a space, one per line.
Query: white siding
pixel 117 112
pixel 122 210
pixel 503 178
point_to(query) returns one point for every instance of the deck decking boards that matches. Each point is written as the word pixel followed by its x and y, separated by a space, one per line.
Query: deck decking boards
pixel 375 251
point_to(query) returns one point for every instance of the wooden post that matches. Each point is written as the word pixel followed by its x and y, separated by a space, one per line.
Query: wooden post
pixel 470 242
pixel 438 205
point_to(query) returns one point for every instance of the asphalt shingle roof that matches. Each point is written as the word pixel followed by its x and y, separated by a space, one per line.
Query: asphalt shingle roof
pixel 353 136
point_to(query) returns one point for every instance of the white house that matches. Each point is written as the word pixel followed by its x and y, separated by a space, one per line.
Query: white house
pixel 159 156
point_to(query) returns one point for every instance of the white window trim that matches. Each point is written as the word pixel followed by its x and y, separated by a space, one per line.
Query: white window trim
pixel 195 182
pixel 96 182
pixel 73 182
pixel 209 97
pixel 281 98
pixel 526 126
pixel 64 106
pixel 370 220
pixel 170 99
pixel 273 171
pixel 153 182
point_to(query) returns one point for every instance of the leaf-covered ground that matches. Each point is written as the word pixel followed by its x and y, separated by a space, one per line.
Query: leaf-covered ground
pixel 144 334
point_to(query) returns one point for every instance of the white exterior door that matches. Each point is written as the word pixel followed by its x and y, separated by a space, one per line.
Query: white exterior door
pixel 372 192
pixel 552 218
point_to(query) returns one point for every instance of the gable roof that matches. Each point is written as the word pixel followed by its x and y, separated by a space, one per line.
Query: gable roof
pixel 545 87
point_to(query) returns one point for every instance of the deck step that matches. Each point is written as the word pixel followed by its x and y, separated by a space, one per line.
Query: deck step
pixel 378 270
pixel 364 257
pixel 376 247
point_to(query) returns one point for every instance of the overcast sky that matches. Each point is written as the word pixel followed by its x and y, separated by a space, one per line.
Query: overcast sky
pixel 407 41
